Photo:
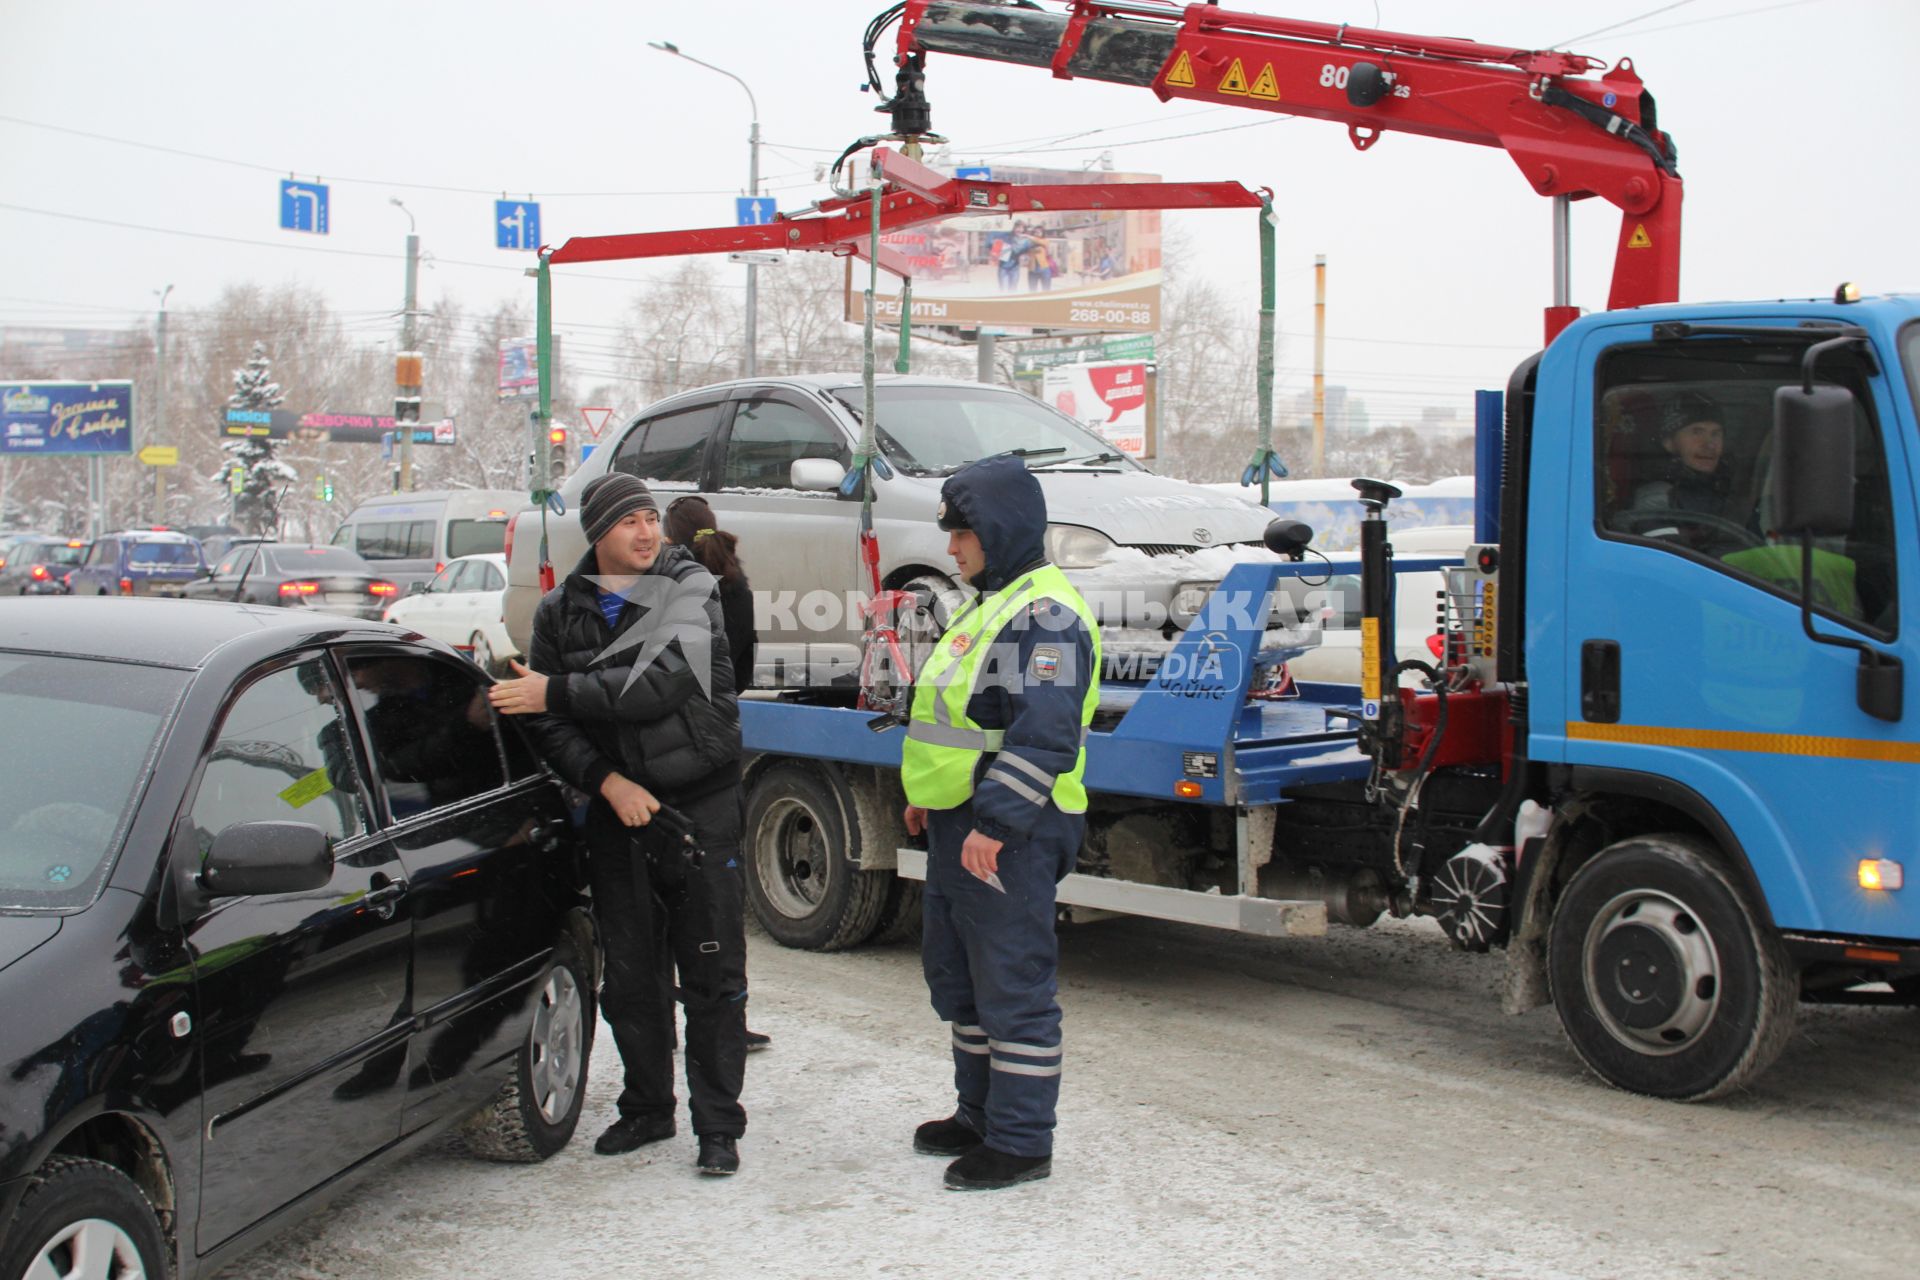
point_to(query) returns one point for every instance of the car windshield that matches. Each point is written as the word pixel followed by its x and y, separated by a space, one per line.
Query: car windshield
pixel 299 560
pixel 77 734
pixel 53 553
pixel 475 537
pixel 163 553
pixel 937 430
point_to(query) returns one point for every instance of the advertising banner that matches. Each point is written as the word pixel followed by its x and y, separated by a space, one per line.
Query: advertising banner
pixel 519 367
pixel 1109 399
pixel 67 418
pixel 1092 269
pixel 328 428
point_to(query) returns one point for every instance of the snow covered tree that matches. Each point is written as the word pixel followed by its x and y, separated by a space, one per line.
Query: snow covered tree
pixel 256 508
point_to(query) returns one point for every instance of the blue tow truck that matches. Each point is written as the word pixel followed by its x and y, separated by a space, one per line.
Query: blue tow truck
pixel 1661 754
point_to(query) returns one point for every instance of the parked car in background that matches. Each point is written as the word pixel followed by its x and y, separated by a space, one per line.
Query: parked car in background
pixel 306 904
pixel 9 538
pixel 461 607
pixel 40 566
pixel 301 575
pixel 139 562
pixel 770 454
pixel 412 536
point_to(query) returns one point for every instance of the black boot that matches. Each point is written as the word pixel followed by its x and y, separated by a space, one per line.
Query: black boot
pixel 985 1169
pixel 949 1137
pixel 719 1155
pixel 629 1133
pixel 755 1040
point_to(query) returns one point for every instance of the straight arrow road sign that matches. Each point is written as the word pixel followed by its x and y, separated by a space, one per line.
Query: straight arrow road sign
pixel 516 224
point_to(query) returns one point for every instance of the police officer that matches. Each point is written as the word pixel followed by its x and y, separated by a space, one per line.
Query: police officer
pixel 992 769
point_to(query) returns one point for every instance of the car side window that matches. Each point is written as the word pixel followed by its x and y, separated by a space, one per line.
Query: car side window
pixel 669 447
pixel 228 566
pixel 1684 459
pixel 396 540
pixel 769 436
pixel 281 756
pixel 491 579
pixel 103 552
pixel 470 576
pixel 442 581
pixel 430 730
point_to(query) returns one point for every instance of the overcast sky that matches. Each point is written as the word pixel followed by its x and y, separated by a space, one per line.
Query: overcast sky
pixel 144 143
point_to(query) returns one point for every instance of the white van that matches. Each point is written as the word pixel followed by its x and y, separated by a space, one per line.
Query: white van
pixel 409 537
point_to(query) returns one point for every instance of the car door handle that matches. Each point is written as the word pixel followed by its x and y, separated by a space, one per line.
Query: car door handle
pixel 385 895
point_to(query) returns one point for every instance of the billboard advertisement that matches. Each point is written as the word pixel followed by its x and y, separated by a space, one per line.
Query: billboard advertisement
pixel 1109 399
pixel 1092 269
pixel 328 428
pixel 66 418
pixel 519 367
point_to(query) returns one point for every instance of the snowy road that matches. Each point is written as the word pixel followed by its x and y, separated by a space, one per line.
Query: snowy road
pixel 1353 1106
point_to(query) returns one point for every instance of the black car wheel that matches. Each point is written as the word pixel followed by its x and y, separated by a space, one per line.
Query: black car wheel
pixel 803 862
pixel 537 1109
pixel 83 1218
pixel 1664 977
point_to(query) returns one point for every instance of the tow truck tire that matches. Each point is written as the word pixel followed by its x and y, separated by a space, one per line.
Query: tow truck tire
pixel 803 861
pixel 900 917
pixel 84 1212
pixel 538 1108
pixel 1665 977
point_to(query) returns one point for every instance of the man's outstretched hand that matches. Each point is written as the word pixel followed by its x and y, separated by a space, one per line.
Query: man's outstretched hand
pixel 525 696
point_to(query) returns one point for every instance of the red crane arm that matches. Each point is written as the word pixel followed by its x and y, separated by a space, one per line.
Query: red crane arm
pixel 913 193
pixel 1570 135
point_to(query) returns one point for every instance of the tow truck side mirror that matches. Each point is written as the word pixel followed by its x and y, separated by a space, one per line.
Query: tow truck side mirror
pixel 1813 461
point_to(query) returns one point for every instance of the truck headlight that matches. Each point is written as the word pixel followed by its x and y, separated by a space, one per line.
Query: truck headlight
pixel 1070 546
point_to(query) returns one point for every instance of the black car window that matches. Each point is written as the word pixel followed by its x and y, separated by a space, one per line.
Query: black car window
pixel 475 538
pixel 521 761
pixel 769 436
pixel 430 729
pixel 668 447
pixel 281 756
pixel 76 734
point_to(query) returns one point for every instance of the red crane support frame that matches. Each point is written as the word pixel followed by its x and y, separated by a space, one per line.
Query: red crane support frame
pixel 1441 88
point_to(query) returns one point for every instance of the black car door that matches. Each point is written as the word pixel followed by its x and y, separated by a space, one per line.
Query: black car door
pixel 488 898
pixel 303 1001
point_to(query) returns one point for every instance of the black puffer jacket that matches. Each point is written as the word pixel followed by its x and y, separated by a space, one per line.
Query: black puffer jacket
pixel 660 730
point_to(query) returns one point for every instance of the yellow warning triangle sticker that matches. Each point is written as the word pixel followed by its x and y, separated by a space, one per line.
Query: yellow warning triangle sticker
pixel 1235 81
pixel 1639 239
pixel 1182 73
pixel 1266 86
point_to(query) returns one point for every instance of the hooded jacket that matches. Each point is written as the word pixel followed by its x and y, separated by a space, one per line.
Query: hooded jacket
pixel 1033 678
pixel 657 727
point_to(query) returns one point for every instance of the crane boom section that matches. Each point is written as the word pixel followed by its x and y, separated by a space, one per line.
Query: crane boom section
pixel 1570 134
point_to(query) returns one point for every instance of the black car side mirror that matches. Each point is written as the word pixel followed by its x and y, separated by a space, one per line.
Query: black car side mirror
pixel 267 857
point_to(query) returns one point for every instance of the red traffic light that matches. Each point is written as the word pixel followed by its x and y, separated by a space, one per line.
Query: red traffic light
pixel 556 435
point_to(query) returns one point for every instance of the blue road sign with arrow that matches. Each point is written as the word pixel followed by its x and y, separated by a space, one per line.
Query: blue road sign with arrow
pixel 753 211
pixel 516 224
pixel 303 207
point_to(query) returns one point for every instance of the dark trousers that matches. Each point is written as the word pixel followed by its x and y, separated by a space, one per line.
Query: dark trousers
pixel 991 961
pixel 658 916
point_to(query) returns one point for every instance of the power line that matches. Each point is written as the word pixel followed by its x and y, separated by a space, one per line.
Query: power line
pixel 1625 22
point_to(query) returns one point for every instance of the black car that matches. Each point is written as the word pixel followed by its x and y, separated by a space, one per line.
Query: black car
pixel 39 566
pixel 300 575
pixel 280 898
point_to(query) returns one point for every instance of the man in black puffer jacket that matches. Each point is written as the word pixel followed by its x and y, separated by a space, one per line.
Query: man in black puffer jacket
pixel 629 695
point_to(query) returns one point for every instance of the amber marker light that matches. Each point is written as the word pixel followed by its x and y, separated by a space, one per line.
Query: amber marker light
pixel 1880 874
pixel 1187 790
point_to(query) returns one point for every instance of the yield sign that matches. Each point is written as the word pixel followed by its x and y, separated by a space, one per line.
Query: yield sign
pixel 596 420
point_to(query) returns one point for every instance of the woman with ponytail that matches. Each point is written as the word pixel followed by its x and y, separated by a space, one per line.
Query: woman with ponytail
pixel 691 524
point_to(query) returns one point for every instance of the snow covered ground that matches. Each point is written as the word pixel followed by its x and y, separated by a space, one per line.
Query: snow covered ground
pixel 1345 1107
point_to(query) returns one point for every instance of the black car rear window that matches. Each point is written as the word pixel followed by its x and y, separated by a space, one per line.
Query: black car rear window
pixel 78 734
pixel 299 560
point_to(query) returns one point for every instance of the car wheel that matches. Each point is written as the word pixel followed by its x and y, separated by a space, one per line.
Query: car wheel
pixel 1664 977
pixel 482 653
pixel 84 1218
pixel 803 861
pixel 537 1109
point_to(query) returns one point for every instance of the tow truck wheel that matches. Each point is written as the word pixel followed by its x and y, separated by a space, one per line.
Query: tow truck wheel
pixel 803 861
pixel 1665 978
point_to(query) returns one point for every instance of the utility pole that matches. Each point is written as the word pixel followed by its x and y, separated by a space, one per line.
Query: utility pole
pixel 408 381
pixel 160 435
pixel 1320 364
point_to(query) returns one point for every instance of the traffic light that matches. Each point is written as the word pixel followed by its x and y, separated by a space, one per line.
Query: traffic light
pixel 556 456
pixel 406 412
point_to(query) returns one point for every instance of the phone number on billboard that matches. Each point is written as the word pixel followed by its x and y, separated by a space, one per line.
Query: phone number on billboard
pixel 1110 315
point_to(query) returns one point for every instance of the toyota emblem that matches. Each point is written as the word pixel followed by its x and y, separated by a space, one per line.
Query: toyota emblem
pixel 1202 536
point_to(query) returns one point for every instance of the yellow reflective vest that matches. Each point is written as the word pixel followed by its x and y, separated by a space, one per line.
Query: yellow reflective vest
pixel 943 746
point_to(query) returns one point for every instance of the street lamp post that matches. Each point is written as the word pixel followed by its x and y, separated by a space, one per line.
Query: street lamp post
pixel 159 433
pixel 752 362
pixel 407 361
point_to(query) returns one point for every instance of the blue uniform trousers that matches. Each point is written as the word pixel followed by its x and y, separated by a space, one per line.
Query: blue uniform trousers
pixel 991 961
